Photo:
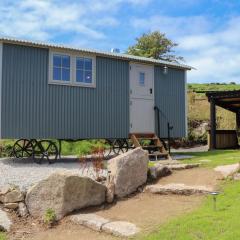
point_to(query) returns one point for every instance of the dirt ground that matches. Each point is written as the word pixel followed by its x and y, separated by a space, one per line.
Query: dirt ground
pixel 195 176
pixel 146 210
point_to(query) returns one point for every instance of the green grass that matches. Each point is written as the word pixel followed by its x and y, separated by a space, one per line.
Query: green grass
pixel 3 236
pixel 199 87
pixel 205 223
pixel 217 157
pixel 78 148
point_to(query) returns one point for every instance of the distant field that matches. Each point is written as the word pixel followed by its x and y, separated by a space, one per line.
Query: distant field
pixel 199 108
pixel 197 87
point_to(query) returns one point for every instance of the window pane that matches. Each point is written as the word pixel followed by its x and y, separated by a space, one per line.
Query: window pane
pixel 66 61
pixel 88 64
pixel 79 76
pixel 65 74
pixel 56 61
pixel 142 79
pixel 56 73
pixel 88 77
pixel 80 62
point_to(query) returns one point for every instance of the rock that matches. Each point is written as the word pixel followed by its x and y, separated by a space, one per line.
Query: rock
pixel 183 166
pixel 120 229
pixel 236 176
pixel 227 170
pixel 158 171
pixel 22 210
pixel 92 221
pixel 5 189
pixel 180 189
pixel 13 196
pixel 5 222
pixel 129 171
pixel 110 190
pixel 11 205
pixel 64 192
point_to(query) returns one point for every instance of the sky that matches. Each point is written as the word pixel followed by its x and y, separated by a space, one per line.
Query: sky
pixel 207 31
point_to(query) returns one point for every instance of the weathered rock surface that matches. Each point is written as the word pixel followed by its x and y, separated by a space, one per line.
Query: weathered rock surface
pixel 158 171
pixel 227 170
pixel 236 176
pixel 13 196
pixel 183 166
pixel 64 192
pixel 180 189
pixel 5 222
pixel 121 229
pixel 11 205
pixel 22 210
pixel 129 171
pixel 5 189
pixel 90 220
pixel 110 190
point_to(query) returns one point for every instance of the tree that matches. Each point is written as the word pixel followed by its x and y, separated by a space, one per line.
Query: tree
pixel 154 45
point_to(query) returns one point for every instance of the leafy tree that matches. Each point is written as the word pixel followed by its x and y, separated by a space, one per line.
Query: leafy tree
pixel 154 45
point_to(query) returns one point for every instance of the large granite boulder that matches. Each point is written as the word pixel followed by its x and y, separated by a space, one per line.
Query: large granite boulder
pixel 64 192
pixel 128 171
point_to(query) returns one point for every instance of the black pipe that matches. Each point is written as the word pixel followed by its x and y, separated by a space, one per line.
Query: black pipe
pixel 169 136
pixel 156 109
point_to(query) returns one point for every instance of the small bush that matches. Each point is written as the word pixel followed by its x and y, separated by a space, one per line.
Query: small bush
pixel 50 217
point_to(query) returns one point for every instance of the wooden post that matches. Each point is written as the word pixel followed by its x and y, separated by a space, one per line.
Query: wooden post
pixel 213 124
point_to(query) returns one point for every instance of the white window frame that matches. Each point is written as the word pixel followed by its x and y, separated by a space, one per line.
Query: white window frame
pixel 73 57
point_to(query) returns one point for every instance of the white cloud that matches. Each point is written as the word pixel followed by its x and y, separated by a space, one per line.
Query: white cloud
pixel 44 19
pixel 211 48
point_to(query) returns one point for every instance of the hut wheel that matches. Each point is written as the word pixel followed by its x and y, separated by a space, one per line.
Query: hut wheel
pixel 120 146
pixel 45 150
pixel 107 148
pixel 23 148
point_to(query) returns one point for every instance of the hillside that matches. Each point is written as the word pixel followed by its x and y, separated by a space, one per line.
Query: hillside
pixel 198 106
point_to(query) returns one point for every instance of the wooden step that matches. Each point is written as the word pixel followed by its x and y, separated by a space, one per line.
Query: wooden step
pixel 157 154
pixel 147 138
pixel 155 143
pixel 150 146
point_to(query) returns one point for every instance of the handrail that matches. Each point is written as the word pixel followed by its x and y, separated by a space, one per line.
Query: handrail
pixel 169 128
pixel 156 109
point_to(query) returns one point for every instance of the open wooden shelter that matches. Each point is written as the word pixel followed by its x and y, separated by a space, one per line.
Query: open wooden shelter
pixel 229 100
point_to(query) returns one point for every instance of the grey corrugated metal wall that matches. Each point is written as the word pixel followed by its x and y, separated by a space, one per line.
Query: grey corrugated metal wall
pixel 31 108
pixel 169 93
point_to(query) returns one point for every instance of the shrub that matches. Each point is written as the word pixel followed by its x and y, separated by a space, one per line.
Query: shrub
pixel 50 217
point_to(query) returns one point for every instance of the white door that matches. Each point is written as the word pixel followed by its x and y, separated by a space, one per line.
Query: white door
pixel 141 99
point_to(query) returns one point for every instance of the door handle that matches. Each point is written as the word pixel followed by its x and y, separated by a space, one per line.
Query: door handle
pixel 150 90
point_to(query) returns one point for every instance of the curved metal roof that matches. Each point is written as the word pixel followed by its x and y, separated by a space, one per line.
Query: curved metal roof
pixel 100 53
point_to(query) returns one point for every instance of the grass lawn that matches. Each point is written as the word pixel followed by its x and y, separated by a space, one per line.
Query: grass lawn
pixel 205 223
pixel 2 236
pixel 217 157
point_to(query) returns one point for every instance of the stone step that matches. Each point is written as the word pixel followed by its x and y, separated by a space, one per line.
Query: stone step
pixel 89 220
pixel 183 166
pixel 121 229
pixel 227 170
pixel 98 223
pixel 177 188
pixel 5 222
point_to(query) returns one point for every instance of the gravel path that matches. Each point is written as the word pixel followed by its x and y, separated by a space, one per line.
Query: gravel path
pixel 25 173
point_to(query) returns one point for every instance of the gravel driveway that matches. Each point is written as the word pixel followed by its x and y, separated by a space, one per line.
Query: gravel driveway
pixel 24 172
